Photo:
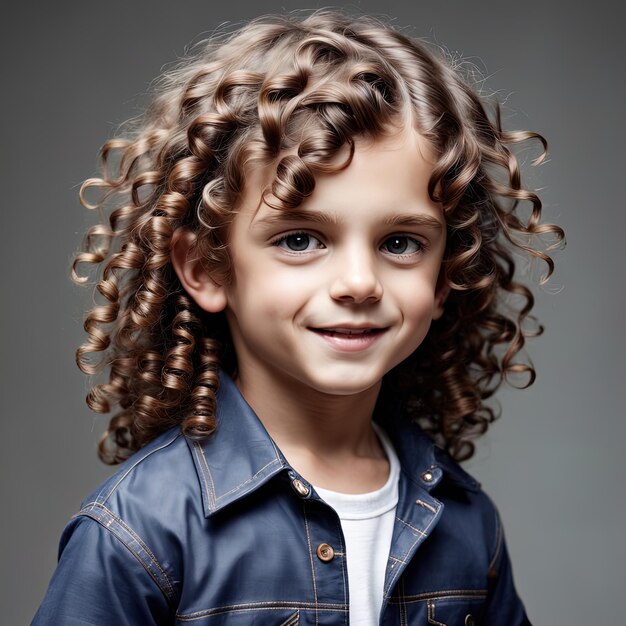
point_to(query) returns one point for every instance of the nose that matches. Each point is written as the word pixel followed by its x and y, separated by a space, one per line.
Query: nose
pixel 356 280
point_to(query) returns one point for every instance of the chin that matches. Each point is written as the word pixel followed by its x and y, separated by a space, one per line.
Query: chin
pixel 344 385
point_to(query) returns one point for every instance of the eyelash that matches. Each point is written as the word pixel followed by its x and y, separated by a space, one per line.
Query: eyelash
pixel 283 238
pixel 420 245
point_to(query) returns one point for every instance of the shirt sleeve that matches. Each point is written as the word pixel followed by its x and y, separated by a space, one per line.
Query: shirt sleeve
pixel 503 604
pixel 99 581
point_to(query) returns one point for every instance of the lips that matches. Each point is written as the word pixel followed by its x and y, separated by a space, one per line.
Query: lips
pixel 347 331
pixel 346 339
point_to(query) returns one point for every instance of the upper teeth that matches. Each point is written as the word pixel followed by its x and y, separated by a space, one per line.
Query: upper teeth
pixel 351 331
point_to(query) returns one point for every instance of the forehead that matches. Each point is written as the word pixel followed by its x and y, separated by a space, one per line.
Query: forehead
pixel 389 172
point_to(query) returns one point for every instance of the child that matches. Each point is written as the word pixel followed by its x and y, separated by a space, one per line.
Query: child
pixel 309 292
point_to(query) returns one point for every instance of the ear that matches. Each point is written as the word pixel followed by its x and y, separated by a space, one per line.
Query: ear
pixel 442 291
pixel 193 275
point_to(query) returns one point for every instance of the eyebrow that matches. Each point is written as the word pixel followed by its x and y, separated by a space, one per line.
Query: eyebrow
pixel 319 217
pixel 296 215
pixel 419 219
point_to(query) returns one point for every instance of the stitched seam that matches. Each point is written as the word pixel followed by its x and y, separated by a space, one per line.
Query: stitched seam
pixel 161 580
pixel 308 538
pixel 260 606
pixel 141 543
pixel 206 474
pixel 423 534
pixel 132 467
pixel 404 621
pixel 249 480
pixel 417 530
pixel 431 615
pixel 343 566
pixel 440 595
pixel 213 497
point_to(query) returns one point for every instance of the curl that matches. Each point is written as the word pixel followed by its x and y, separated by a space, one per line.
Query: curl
pixel 296 95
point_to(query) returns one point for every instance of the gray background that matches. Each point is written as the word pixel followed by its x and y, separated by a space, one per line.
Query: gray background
pixel 554 463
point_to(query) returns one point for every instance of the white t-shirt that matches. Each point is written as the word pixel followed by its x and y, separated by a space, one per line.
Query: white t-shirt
pixel 367 523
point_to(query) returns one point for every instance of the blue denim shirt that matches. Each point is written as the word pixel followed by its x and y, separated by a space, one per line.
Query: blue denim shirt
pixel 225 531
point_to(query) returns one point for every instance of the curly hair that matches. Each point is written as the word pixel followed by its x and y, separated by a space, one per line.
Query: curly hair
pixel 309 86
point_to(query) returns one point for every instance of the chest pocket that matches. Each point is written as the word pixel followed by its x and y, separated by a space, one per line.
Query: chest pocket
pixel 455 611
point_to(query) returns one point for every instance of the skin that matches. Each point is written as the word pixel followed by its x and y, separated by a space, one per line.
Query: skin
pixel 364 252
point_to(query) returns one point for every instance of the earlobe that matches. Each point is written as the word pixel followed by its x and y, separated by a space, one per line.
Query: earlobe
pixel 193 274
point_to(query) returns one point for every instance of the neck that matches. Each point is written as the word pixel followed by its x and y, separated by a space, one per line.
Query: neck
pixel 320 434
pixel 299 416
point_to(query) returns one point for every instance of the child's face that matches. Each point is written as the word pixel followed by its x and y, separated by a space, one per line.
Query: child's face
pixel 334 294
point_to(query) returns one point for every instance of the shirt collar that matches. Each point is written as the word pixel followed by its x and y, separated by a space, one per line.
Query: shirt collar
pixel 240 456
pixel 422 461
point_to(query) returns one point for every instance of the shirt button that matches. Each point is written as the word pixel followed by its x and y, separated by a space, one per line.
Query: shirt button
pixel 300 487
pixel 428 476
pixel 469 620
pixel 325 552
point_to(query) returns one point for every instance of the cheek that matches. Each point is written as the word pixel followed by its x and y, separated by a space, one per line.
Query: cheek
pixel 416 296
pixel 273 293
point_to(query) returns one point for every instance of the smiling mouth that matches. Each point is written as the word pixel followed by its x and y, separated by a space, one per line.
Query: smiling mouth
pixel 349 340
pixel 348 331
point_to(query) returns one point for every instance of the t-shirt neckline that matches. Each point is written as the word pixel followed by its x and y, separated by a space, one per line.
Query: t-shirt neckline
pixel 372 503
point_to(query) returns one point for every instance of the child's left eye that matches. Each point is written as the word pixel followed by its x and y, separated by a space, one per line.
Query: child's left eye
pixel 402 244
pixel 298 242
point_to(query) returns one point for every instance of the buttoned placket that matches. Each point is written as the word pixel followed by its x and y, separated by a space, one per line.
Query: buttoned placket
pixel 416 516
pixel 327 556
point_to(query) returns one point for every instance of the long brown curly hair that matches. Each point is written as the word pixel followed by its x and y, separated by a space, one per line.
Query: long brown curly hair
pixel 309 86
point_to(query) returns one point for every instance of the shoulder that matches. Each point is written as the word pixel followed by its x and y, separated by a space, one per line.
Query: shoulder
pixel 163 471
pixel 147 507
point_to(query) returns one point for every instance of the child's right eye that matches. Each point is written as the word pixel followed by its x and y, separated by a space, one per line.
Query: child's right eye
pixel 298 242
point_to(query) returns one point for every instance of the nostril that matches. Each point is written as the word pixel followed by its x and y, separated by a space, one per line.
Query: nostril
pixel 356 289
